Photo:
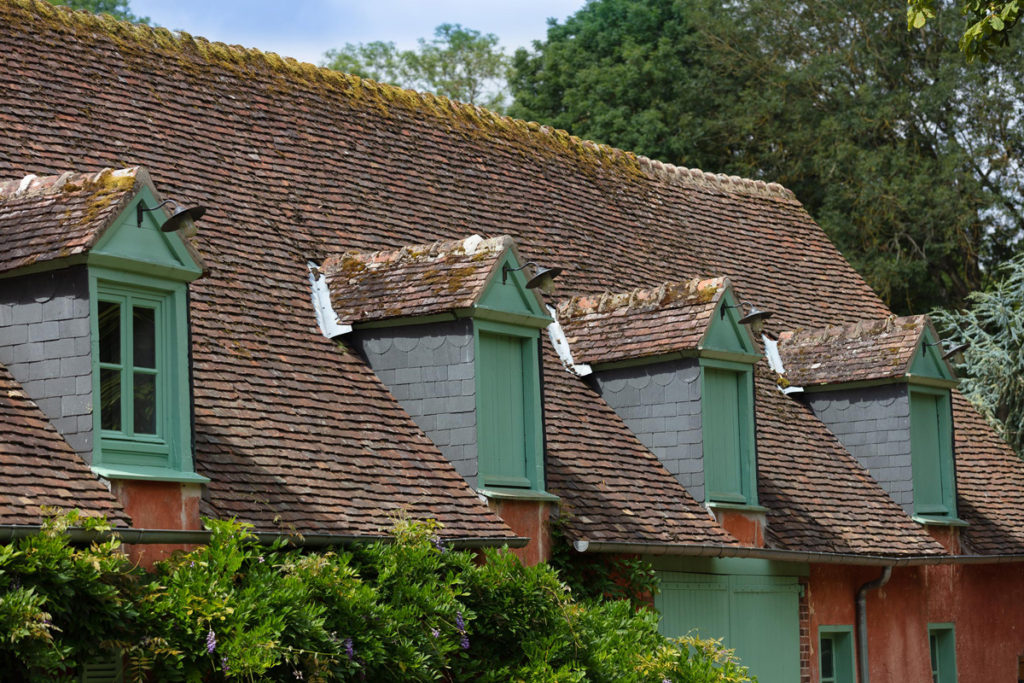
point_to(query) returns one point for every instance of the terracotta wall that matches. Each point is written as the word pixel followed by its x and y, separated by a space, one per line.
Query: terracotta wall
pixel 530 519
pixel 158 505
pixel 984 602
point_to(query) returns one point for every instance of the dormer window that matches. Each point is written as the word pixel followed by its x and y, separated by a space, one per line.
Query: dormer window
pixel 454 335
pixel 883 388
pixel 677 367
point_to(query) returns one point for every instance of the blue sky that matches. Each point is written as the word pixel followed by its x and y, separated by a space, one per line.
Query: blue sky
pixel 305 29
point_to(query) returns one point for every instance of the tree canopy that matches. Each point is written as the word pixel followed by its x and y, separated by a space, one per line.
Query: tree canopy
pixel 993 328
pixel 115 8
pixel 907 156
pixel 459 63
pixel 989 23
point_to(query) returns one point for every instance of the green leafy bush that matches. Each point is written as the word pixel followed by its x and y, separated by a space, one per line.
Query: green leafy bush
pixel 405 609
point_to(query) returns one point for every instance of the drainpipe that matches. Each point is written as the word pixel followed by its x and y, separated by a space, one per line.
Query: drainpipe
pixel 862 622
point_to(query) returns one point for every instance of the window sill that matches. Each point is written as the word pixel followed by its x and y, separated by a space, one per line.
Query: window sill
pixel 148 474
pixel 939 521
pixel 739 507
pixel 517 494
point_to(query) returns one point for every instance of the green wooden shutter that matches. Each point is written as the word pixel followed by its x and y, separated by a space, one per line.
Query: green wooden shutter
pixel 693 602
pixel 722 436
pixel 931 454
pixel 501 412
pixel 942 648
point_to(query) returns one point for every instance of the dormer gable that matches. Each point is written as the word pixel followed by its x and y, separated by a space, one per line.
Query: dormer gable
pixel 102 296
pixel 676 365
pixel 883 388
pixel 452 330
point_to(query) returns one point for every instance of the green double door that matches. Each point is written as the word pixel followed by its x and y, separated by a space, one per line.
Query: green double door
pixel 757 616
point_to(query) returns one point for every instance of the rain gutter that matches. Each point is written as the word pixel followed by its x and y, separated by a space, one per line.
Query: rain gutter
pixel 10 532
pixel 723 551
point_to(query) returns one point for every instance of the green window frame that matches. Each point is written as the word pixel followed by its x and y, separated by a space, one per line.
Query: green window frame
pixel 836 662
pixel 931 447
pixel 942 652
pixel 508 407
pixel 727 432
pixel 141 389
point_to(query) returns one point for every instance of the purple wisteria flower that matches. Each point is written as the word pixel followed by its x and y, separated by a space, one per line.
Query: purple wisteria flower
pixel 438 543
pixel 350 649
pixel 224 665
pixel 464 642
pixel 459 623
pixel 436 632
pixel 211 642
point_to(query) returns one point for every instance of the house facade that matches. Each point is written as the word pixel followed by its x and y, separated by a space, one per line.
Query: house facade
pixel 352 331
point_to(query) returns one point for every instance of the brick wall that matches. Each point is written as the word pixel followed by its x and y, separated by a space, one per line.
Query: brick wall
pixel 661 404
pixel 874 426
pixel 44 342
pixel 430 371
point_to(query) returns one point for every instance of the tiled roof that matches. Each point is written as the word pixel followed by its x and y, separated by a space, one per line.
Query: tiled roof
pixel 874 349
pixel 38 468
pixel 818 496
pixel 42 219
pixel 298 163
pixel 644 322
pixel 412 281
pixel 614 489
pixel 989 485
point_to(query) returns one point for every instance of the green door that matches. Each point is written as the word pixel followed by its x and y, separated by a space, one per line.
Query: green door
pixel 757 616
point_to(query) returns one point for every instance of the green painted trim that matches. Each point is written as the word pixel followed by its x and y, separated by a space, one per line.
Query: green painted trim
pixel 511 296
pixel 406 322
pixel 126 265
pixel 733 356
pixel 939 521
pixel 517 494
pixel 724 333
pixel 922 381
pixel 505 328
pixel 170 450
pixel 125 241
pixel 729 565
pixel 741 507
pixel 144 473
pixel 724 364
pixel 517 319
pixel 645 360
pixel 845 660
pixel 927 361
pixel 45 266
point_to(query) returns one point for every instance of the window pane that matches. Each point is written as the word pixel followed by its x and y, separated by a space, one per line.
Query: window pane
pixel 109 315
pixel 110 399
pixel 145 403
pixel 144 337
pixel 827 662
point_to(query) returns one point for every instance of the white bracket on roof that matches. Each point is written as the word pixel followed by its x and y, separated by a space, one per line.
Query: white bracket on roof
pixel 561 345
pixel 326 318
pixel 771 351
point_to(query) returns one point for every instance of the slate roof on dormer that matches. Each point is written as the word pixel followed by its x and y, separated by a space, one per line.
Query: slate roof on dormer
pixel 418 280
pixel 38 468
pixel 674 316
pixel 299 163
pixel 864 351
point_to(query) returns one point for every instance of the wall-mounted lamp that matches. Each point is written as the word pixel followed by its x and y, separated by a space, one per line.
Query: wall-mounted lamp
pixel 543 278
pixel 956 354
pixel 755 317
pixel 177 218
